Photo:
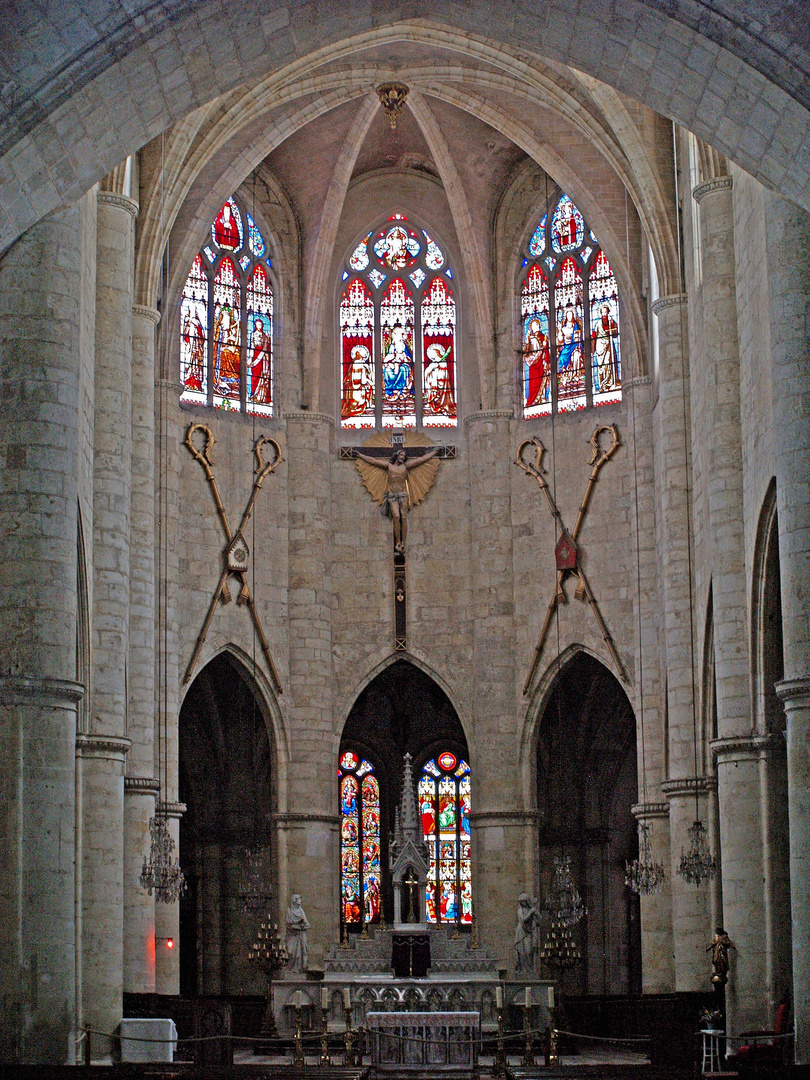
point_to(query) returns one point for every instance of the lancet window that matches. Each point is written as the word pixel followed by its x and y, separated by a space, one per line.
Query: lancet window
pixel 226 318
pixel 569 307
pixel 360 865
pixel 444 807
pixel 398 331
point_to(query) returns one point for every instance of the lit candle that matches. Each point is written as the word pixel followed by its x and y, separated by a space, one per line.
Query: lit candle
pixel 528 997
pixel 324 998
pixel 347 998
pixel 550 996
pixel 498 997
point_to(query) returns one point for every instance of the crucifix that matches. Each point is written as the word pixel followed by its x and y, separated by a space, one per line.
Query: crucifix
pixel 566 552
pixel 236 554
pixel 398 473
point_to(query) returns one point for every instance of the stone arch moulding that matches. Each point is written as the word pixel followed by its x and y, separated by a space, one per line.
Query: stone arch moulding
pixel 272 715
pixel 529 731
pixel 98 107
pixel 346 705
pixel 764 538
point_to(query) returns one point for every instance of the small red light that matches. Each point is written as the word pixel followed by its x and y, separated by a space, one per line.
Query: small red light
pixel 170 943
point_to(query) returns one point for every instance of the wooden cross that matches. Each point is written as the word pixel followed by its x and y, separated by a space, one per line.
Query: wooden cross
pixel 419 482
pixel 566 551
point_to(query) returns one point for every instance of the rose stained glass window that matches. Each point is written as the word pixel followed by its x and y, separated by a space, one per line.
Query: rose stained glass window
pixel 398 331
pixel 444 808
pixel 360 862
pixel 226 318
pixel 569 317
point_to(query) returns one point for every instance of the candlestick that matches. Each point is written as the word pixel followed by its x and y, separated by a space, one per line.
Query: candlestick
pixel 324 997
pixel 498 997
pixel 528 997
pixel 324 1059
pixel 347 998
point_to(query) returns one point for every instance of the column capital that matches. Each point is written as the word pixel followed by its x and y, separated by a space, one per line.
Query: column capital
pixel 489 414
pixel 794 692
pixel 294 821
pixel 720 183
pixel 741 748
pixel 170 384
pixel 688 785
pixel 123 202
pixel 512 818
pixel 146 313
pixel 17 687
pixel 172 809
pixel 141 785
pixel 664 302
pixel 645 811
pixel 312 417
pixel 111 747
pixel 639 380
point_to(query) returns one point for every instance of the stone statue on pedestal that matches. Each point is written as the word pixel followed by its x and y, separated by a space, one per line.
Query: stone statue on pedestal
pixel 297 926
pixel 527 935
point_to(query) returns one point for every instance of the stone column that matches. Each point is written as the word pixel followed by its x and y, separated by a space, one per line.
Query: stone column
pixel 140 787
pixel 657 971
pixel 310 823
pixel 40 325
pixel 788 253
pixel 104 748
pixel 737 754
pixel 671 426
pixel 167 916
pixel 503 831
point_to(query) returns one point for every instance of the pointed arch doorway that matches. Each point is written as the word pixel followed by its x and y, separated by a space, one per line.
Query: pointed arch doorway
pixel 403 711
pixel 586 784
pixel 228 782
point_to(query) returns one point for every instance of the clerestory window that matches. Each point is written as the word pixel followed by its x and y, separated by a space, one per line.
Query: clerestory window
pixel 226 318
pixel 398 331
pixel 569 306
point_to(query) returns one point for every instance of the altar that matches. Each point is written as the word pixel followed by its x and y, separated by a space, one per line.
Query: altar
pixel 405 1042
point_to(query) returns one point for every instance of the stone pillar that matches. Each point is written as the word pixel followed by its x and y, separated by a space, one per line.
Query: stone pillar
pixel 310 823
pixel 788 254
pixel 737 754
pixel 657 971
pixel 671 426
pixel 504 833
pixel 140 787
pixel 168 439
pixel 40 324
pixel 104 748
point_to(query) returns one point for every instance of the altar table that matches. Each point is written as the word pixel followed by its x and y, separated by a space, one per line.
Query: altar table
pixel 411 1041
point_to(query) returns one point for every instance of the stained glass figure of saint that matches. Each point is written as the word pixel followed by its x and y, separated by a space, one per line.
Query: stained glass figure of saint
pixel 227 227
pixel 357 404
pixel 536 344
pixel 396 318
pixel 438 350
pixel 606 365
pixel 194 334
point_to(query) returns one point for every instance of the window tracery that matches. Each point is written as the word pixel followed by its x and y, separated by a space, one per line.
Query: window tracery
pixel 398 331
pixel 569 316
pixel 226 318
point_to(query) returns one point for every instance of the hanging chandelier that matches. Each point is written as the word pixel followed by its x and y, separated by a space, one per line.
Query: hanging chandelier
pixel 254 888
pixel 161 874
pixel 699 865
pixel 563 903
pixel 644 875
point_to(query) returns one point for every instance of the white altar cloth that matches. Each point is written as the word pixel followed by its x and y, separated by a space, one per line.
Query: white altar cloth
pixel 160 1040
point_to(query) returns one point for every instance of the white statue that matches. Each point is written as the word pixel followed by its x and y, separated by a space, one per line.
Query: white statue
pixel 527 934
pixel 297 926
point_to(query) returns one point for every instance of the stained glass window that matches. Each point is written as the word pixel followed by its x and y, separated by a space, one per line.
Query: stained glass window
pixel 226 318
pixel 444 807
pixel 569 317
pixel 398 332
pixel 357 343
pixel 360 863
pixel 438 353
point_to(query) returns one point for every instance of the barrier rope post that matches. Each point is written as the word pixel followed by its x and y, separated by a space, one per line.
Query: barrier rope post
pixel 552 1058
pixel 88 1057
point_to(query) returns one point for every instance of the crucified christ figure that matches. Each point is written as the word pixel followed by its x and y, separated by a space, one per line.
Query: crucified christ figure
pixel 397 499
